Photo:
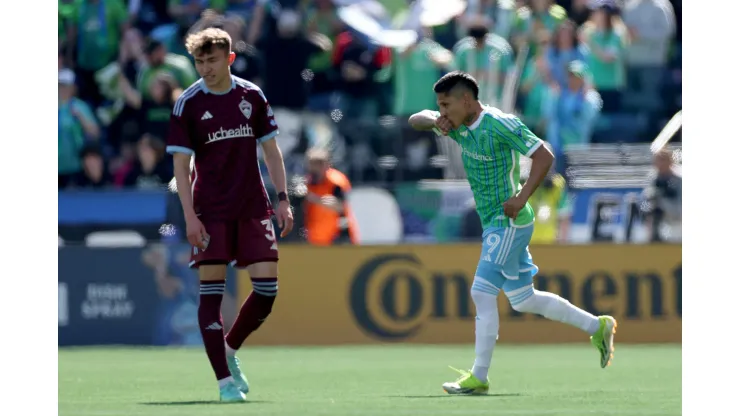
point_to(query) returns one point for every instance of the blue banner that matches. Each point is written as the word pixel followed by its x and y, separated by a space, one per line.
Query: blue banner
pixel 436 214
pixel 132 296
pixel 112 207
pixel 584 200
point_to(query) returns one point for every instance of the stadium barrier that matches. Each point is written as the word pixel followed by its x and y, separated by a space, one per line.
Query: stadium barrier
pixel 131 296
pixel 363 295
pixel 430 211
pixel 420 294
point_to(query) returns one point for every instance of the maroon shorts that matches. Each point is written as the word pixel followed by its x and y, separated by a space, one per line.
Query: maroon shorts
pixel 237 243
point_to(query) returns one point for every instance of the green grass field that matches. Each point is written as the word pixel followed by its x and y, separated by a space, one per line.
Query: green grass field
pixel 383 380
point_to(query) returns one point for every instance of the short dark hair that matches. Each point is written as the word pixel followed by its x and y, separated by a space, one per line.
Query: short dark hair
pixel 454 80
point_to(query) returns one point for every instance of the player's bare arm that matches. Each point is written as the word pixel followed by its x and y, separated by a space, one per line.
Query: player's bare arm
pixel 196 232
pixel 423 120
pixel 276 167
pixel 427 120
pixel 542 159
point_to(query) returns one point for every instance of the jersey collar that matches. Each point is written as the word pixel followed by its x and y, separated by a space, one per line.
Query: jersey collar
pixel 207 91
pixel 478 120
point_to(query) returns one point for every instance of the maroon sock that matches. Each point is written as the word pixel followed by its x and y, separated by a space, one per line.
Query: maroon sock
pixel 212 325
pixel 254 311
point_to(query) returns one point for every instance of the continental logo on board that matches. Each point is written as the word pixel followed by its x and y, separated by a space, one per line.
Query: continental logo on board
pixel 421 294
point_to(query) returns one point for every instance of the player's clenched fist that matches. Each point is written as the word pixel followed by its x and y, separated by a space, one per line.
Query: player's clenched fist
pixel 284 218
pixel 513 205
pixel 443 124
pixel 197 235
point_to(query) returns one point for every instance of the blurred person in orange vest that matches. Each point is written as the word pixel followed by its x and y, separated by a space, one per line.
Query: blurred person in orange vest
pixel 328 219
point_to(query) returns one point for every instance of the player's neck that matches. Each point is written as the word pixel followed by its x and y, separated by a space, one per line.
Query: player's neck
pixel 223 86
pixel 474 115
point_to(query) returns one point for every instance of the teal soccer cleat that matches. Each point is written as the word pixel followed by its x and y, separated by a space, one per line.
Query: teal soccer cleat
pixel 230 393
pixel 239 378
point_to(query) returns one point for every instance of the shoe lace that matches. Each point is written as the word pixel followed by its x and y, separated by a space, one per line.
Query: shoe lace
pixel 464 374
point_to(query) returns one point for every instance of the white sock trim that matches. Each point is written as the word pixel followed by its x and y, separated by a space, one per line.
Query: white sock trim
pixel 224 381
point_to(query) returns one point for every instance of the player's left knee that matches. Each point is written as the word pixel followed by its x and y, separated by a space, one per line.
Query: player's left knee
pixel 523 299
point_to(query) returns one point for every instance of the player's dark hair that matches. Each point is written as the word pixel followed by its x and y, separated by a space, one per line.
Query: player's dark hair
pixel 457 80
pixel 206 40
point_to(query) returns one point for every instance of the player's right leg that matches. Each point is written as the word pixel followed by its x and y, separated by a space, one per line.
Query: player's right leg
pixel 526 299
pixel 211 264
pixel 486 286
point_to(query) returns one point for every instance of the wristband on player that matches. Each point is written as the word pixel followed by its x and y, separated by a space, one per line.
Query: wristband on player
pixel 282 196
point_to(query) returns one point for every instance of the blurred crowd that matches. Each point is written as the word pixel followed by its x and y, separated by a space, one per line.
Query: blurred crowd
pixel 576 71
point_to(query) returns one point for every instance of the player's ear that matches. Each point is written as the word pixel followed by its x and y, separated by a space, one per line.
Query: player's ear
pixel 232 56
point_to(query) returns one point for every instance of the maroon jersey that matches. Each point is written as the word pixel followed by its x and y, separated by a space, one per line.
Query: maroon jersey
pixel 223 131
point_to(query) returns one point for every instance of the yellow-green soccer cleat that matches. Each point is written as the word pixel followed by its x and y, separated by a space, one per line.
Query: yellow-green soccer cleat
pixel 466 384
pixel 230 393
pixel 603 339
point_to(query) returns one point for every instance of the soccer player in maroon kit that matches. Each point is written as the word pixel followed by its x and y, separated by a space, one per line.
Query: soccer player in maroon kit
pixel 220 120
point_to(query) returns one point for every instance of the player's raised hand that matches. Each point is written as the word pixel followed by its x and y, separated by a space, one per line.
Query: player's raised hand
pixel 197 235
pixel 443 124
pixel 513 205
pixel 284 218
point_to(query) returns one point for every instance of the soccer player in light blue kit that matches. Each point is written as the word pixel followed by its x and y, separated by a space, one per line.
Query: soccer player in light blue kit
pixel 491 143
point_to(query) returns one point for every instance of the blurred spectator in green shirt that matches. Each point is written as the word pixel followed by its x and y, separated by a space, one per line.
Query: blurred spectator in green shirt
pixel 414 71
pixel 536 79
pixel 76 125
pixel 486 56
pixel 322 18
pixel 530 21
pixel 66 10
pixel 158 61
pixel 187 12
pixel 96 29
pixel 605 39
pixel 501 12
